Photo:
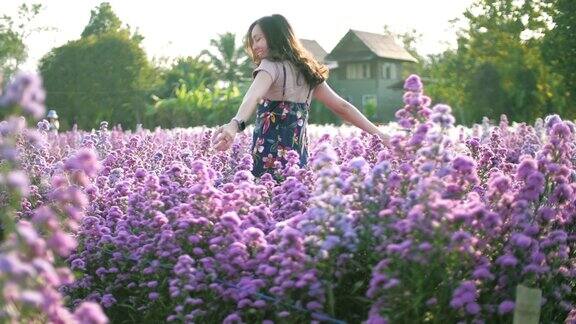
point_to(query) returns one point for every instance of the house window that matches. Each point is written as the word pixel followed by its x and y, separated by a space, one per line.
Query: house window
pixel 358 71
pixel 389 71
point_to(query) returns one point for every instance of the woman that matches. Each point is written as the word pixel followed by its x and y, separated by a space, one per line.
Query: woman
pixel 281 94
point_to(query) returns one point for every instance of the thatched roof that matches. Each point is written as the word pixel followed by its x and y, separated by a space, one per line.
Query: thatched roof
pixel 315 49
pixel 359 45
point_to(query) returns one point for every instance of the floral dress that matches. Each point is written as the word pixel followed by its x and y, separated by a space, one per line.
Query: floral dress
pixel 280 126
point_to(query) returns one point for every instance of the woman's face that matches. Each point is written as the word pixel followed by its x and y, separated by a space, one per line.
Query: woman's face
pixel 259 44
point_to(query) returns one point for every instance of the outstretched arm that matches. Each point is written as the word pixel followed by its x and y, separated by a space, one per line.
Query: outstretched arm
pixel 224 135
pixel 345 110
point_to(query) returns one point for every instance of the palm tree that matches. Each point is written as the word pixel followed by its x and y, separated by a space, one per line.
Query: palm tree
pixel 231 63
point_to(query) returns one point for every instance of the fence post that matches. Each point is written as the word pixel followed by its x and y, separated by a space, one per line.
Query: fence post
pixel 528 304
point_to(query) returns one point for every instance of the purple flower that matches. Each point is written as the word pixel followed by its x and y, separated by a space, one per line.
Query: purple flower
pixel 27 92
pixel 425 246
pixel 399 248
pixel 62 243
pixel 392 283
pixel 314 305
pixel 84 160
pixel 561 131
pixel 552 120
pixel 561 194
pixel 483 273
pixel 33 298
pixel 413 83
pixel 376 319
pixel 232 319
pixel 534 186
pixel 413 99
pixel 358 164
pixel 231 219
pixel 442 109
pixel 507 260
pixel 536 180
pixel 140 173
pixel 108 300
pixel 90 313
pixel 152 284
pixel 499 183
pixel 520 240
pixel 456 303
pixel 101 271
pixel 43 125
pixel 465 294
pixel 254 234
pixel 78 264
pixel 441 115
pixel 506 307
pixel 153 295
pixel 472 308
pixel 526 167
pixel 283 314
pixel 463 164
pixel 27 232
pixel 19 182
pixel 460 236
pixel 534 268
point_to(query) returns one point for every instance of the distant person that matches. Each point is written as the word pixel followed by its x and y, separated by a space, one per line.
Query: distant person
pixel 52 117
pixel 281 96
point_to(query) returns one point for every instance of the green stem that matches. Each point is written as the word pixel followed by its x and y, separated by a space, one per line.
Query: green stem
pixel 331 300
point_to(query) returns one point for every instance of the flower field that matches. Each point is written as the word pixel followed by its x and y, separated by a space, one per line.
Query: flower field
pixel 148 226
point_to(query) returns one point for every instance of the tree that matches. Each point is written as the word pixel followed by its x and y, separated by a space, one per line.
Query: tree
pixel 197 106
pixel 501 43
pixel 103 20
pixel 103 76
pixel 13 33
pixel 559 44
pixel 231 63
pixel 190 71
pixel 486 93
pixel 409 39
pixel 12 52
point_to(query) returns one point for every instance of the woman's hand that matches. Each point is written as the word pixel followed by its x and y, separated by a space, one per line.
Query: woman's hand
pixel 384 137
pixel 224 136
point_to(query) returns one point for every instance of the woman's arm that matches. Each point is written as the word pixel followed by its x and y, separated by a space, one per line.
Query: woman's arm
pixel 345 110
pixel 257 90
pixel 224 135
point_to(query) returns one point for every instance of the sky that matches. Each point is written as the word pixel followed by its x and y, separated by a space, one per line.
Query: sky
pixel 176 28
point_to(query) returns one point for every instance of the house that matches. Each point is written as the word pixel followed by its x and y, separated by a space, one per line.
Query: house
pixel 367 72
pixel 318 52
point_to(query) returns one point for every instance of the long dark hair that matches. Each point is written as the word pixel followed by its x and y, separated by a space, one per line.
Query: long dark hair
pixel 283 45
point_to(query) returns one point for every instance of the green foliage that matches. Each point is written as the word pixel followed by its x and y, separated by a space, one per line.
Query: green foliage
pixel 103 76
pixel 408 40
pixel 198 106
pixel 12 51
pixel 370 110
pixel 498 67
pixel 190 71
pixel 321 115
pixel 191 94
pixel 559 44
pixel 102 21
pixel 13 32
pixel 98 78
pixel 230 62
